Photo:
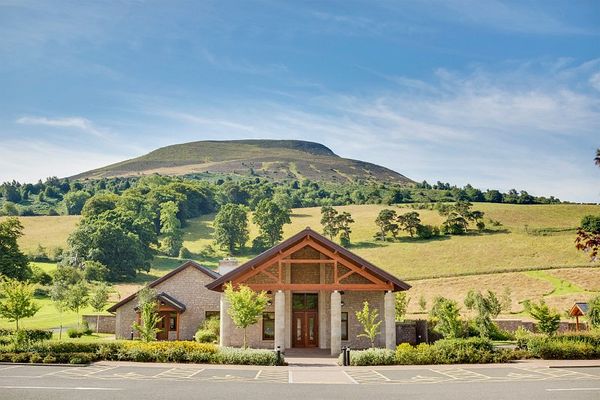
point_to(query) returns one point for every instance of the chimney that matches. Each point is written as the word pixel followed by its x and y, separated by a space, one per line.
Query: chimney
pixel 227 264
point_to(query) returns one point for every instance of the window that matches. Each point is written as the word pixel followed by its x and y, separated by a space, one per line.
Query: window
pixel 212 314
pixel 305 301
pixel 344 326
pixel 268 328
pixel 173 322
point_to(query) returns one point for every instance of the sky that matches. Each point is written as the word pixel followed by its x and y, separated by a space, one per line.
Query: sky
pixel 492 93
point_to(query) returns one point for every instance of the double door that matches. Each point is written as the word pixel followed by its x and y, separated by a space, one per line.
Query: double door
pixel 305 329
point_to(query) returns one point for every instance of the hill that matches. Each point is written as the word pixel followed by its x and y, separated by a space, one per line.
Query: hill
pixel 274 159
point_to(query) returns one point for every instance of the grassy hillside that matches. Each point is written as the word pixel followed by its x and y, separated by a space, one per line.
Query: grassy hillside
pixel 532 253
pixel 275 159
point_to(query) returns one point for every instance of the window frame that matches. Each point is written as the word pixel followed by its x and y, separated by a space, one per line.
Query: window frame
pixel 268 316
pixel 344 322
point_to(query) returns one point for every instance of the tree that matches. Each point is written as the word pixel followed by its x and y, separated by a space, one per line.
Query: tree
pixel 245 306
pixel 588 236
pixel 422 303
pixel 594 312
pixel 58 295
pixel 16 300
pixel 343 222
pixel 409 222
pixel 455 224
pixel 402 300
pixel 369 320
pixel 13 263
pixel 231 227
pixel 328 221
pixel 99 299
pixel 548 321
pixel 170 228
pixel 386 222
pixel 75 200
pixel 487 307
pixel 149 318
pixel 445 314
pixel 77 298
pixel 270 217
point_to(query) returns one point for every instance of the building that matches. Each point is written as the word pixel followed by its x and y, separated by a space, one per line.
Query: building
pixel 316 286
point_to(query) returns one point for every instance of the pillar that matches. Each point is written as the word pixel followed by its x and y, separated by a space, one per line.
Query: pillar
pixel 225 322
pixel 390 320
pixel 336 323
pixel 280 320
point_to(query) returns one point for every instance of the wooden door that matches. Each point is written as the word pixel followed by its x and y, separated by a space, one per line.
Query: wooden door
pixel 163 325
pixel 305 329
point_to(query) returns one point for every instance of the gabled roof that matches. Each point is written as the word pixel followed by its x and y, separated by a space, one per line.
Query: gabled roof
pixel 322 240
pixel 152 284
pixel 579 308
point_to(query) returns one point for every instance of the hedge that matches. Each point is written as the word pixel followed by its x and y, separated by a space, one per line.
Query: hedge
pixel 171 351
pixel 569 346
pixel 24 335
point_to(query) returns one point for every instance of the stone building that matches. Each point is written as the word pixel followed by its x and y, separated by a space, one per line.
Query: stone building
pixel 316 286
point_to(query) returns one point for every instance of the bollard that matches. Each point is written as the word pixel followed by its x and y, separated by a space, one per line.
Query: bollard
pixel 348 356
pixel 131 335
pixel 344 356
pixel 278 355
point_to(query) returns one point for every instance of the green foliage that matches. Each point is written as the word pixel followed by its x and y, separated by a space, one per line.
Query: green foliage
pixel 245 306
pixel 565 347
pixel 13 263
pixel 445 315
pixel 427 231
pixel 548 321
pixel 231 228
pixel 24 337
pixel 409 222
pixel 16 300
pixel 588 236
pixel 402 300
pixel 487 307
pixel 371 357
pixel 230 355
pixel 593 314
pixel 170 228
pixel 335 224
pixel 455 224
pixel 99 296
pixel 75 201
pixel 148 308
pixel 368 319
pixel 205 336
pixel 77 297
pixel 270 218
pixel 591 223
pixel 184 253
pixel 95 271
pixel 386 221
pixel 422 303
pixel 212 324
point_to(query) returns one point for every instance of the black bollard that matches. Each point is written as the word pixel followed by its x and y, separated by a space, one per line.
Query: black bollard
pixel 131 335
pixel 344 356
pixel 278 355
pixel 348 356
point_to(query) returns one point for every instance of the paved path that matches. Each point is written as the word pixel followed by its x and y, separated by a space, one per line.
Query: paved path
pixel 153 381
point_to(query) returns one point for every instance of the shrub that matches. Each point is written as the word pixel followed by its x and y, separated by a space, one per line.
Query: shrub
pixel 427 231
pixel 81 358
pixel 230 355
pixel 184 253
pixel 162 351
pixel 74 333
pixel 563 347
pixel 24 336
pixel 49 359
pixel 20 357
pixel 35 358
pixel 372 356
pixel 205 336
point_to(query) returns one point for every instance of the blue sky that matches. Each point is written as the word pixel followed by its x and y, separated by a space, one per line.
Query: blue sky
pixel 496 94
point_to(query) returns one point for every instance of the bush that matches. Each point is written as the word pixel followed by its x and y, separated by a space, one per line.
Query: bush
pixel 230 355
pixel 49 359
pixel 163 351
pixel 373 356
pixel 427 231
pixel 74 333
pixel 35 358
pixel 184 253
pixel 565 347
pixel 81 358
pixel 24 336
pixel 205 336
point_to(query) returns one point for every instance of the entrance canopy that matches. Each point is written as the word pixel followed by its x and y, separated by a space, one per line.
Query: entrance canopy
pixel 308 261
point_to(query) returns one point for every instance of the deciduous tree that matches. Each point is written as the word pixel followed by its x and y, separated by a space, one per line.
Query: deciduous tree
pixel 386 221
pixel 245 306
pixel 231 227
pixel 13 263
pixel 409 222
pixel 149 318
pixel 548 321
pixel 369 319
pixel 16 300
pixel 270 217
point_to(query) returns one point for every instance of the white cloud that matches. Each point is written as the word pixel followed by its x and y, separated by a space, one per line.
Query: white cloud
pixel 79 123
pixel 595 81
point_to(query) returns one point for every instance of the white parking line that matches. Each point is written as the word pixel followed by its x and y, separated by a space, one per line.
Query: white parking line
pixel 58 388
pixel 258 374
pixel 349 377
pixel 571 389
pixel 381 375
pixel 11 367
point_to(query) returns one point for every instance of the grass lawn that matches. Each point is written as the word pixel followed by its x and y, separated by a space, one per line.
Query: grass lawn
pixel 50 232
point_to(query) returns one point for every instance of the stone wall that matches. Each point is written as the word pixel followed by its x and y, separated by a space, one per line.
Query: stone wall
pixel 188 287
pixel 106 323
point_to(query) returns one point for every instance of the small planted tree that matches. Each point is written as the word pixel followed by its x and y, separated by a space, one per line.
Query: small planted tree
pixel 368 318
pixel 487 307
pixel 58 295
pixel 402 300
pixel 16 300
pixel 548 321
pixel 422 303
pixel 149 318
pixel 99 300
pixel 445 314
pixel 78 298
pixel 246 306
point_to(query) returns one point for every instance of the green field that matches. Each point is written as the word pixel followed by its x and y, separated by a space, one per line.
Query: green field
pixel 532 252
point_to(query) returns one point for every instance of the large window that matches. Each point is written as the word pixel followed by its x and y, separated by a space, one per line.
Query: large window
pixel 305 301
pixel 344 326
pixel 268 327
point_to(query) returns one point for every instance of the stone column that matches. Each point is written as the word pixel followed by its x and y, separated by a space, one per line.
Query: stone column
pixel 225 322
pixel 390 319
pixel 280 320
pixel 336 323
